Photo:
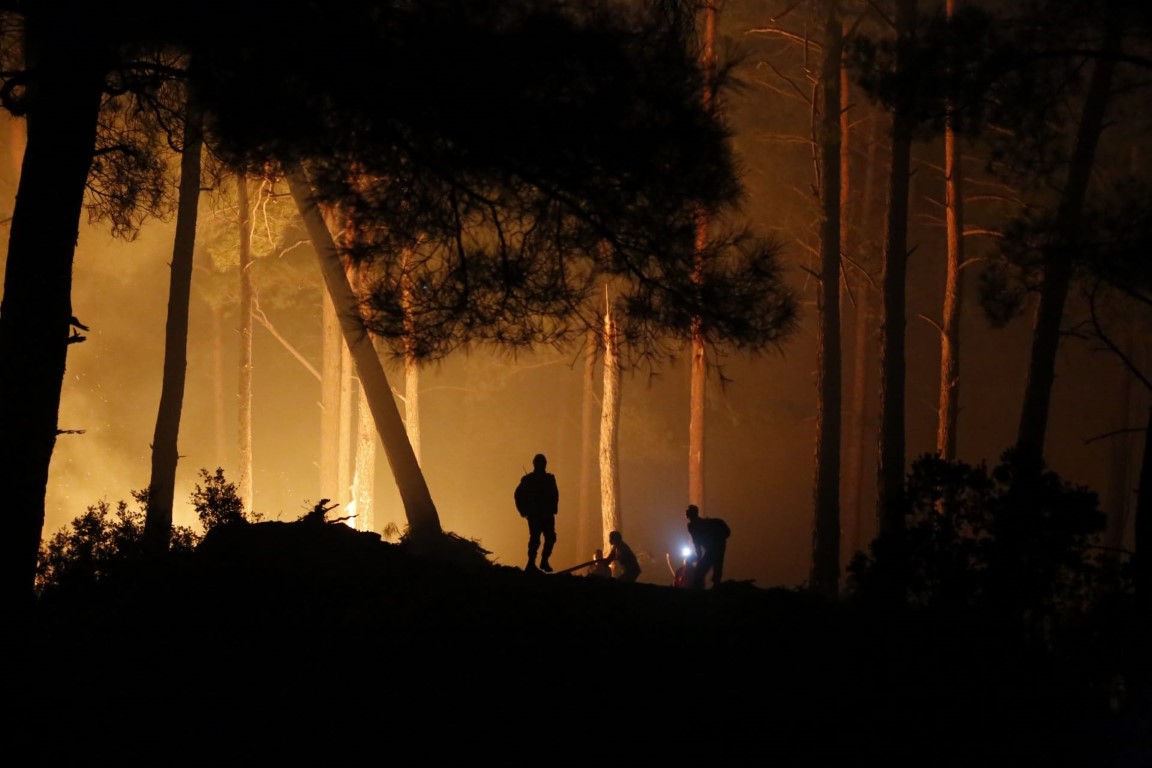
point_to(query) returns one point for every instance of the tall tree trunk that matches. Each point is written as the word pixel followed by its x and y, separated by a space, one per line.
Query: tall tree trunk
pixel 825 574
pixel 244 388
pixel 1119 492
pixel 411 364
pixel 949 408
pixel 165 455
pixel 587 539
pixel 363 493
pixel 344 455
pixel 330 377
pixel 610 433
pixel 1058 261
pixel 364 475
pixel 423 520
pixel 1142 546
pixel 218 407
pixel 699 367
pixel 890 466
pixel 863 351
pixel 35 316
pixel 412 403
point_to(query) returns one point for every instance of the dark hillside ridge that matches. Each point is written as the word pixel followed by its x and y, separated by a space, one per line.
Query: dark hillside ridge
pixel 269 622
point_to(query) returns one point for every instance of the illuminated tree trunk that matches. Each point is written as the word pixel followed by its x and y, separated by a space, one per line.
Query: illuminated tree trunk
pixel 1058 261
pixel 825 573
pixel 412 403
pixel 949 408
pixel 699 366
pixel 411 366
pixel 344 455
pixel 244 391
pixel 364 476
pixel 218 384
pixel 330 377
pixel 363 482
pixel 609 433
pixel 423 520
pixel 165 455
pixel 588 539
pixel 63 103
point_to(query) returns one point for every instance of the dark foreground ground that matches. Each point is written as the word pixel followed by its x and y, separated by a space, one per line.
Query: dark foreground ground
pixel 284 644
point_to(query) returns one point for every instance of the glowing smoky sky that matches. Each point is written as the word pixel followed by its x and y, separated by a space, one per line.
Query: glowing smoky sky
pixel 484 415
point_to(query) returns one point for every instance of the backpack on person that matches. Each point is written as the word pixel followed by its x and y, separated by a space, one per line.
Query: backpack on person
pixel 722 528
pixel 536 493
pixel 718 530
pixel 521 496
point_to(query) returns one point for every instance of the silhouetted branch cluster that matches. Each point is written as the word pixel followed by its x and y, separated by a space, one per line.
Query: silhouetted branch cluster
pixel 551 148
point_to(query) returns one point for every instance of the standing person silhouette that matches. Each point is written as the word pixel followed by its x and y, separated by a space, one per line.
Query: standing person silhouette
pixel 710 537
pixel 537 499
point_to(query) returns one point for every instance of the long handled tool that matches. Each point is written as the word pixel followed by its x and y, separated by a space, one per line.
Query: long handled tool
pixel 575 567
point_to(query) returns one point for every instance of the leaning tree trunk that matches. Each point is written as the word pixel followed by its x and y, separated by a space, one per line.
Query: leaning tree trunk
pixel 423 520
pixel 949 407
pixel 244 386
pixel 825 574
pixel 699 368
pixel 1058 262
pixel 162 487
pixel 63 104
pixel 610 433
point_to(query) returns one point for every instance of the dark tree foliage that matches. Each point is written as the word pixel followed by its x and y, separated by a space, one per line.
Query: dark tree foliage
pixel 100 544
pixel 1011 73
pixel 1117 237
pixel 130 179
pixel 217 503
pixel 519 152
pixel 974 542
pixel 1111 245
pixel 957 60
pixel 107 542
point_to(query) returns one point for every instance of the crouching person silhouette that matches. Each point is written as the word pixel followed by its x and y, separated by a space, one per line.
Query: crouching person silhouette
pixel 627 565
pixel 537 500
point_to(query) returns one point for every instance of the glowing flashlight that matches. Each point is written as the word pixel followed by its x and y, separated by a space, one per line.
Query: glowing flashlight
pixel 686 552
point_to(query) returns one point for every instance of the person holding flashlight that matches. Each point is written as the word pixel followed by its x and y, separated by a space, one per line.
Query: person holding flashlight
pixel 682 576
pixel 710 537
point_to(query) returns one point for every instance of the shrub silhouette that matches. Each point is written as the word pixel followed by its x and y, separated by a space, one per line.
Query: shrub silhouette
pixel 107 541
pixel 976 538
